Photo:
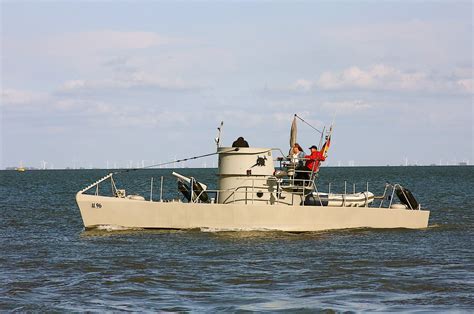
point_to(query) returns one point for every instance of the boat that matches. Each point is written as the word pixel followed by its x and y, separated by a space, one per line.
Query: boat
pixel 359 199
pixel 21 168
pixel 256 190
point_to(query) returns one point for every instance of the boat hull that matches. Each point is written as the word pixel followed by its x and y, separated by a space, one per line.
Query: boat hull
pixel 129 213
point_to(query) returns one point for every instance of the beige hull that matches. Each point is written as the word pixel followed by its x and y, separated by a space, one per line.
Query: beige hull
pixel 101 210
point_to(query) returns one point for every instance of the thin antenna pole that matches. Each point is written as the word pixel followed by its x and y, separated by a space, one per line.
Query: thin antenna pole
pixel 161 190
pixel 219 132
pixel 151 189
pixel 321 139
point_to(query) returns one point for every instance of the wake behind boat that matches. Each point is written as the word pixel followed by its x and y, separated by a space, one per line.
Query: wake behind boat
pixel 255 191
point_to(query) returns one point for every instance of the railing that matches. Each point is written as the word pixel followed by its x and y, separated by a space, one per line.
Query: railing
pixel 118 192
pixel 403 191
pixel 293 168
pixel 96 183
pixel 247 193
pixel 286 186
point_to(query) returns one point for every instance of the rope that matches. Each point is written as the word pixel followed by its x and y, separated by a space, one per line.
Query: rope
pixel 175 161
pixel 308 123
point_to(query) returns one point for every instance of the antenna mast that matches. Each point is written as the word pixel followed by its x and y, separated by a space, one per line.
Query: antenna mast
pixel 219 132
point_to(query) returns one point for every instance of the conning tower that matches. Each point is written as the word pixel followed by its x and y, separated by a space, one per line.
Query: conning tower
pixel 246 175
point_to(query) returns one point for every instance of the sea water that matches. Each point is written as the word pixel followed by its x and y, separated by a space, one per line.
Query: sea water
pixel 48 262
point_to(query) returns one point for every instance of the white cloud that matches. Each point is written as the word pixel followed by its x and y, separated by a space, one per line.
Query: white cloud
pixel 467 85
pixel 463 72
pixel 102 41
pixel 346 107
pixel 424 42
pixel 92 107
pixel 302 85
pixel 383 77
pixel 130 80
pixel 376 77
pixel 412 30
pixel 73 84
pixel 12 97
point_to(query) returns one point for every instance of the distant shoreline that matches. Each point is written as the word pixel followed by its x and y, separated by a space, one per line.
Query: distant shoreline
pixel 121 169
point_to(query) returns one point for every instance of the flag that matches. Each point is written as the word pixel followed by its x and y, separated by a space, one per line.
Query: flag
pixel 325 148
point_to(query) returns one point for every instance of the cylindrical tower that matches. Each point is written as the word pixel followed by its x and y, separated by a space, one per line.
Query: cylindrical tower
pixel 246 175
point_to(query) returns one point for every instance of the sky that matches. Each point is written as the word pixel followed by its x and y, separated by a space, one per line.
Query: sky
pixel 97 83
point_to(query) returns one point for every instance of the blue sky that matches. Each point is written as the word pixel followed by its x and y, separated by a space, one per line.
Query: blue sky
pixel 87 82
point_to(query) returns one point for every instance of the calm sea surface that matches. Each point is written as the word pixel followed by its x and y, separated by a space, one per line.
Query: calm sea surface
pixel 49 263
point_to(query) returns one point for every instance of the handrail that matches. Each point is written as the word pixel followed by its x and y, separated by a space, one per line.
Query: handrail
pixel 261 188
pixel 392 193
pixel 96 183
pixel 286 185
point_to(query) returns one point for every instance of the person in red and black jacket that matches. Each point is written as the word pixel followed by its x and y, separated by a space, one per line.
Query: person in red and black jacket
pixel 314 159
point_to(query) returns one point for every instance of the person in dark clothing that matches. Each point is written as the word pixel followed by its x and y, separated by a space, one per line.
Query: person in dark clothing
pixel 312 165
pixel 240 142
